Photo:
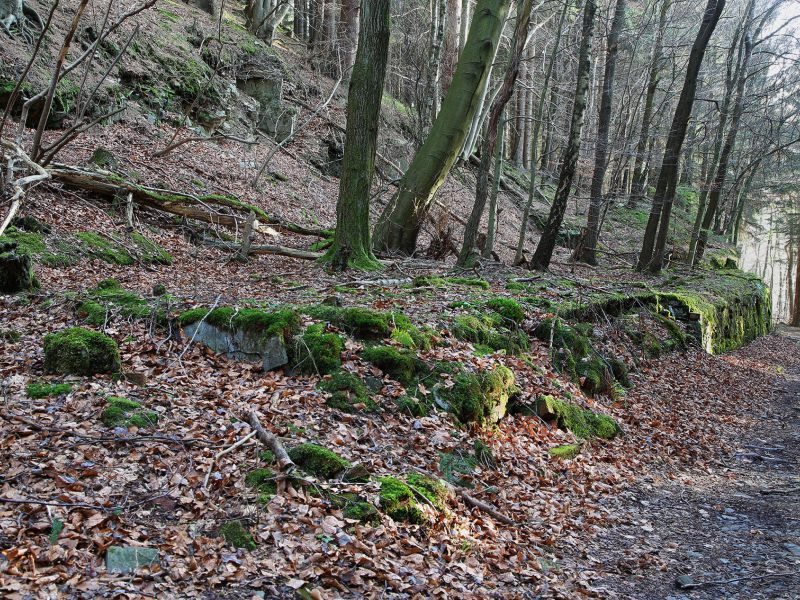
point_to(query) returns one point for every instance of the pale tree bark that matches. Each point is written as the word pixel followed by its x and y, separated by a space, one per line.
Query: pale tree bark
pixel 654 76
pixel 534 142
pixel 399 224
pixel 518 41
pixel 491 226
pixel 651 256
pixel 544 251
pixel 351 242
pixel 348 34
pixel 452 42
pixel 587 251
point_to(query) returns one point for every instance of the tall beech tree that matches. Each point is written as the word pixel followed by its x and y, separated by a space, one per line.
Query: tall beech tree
pixel 654 243
pixel 352 245
pixel 398 226
pixel 544 251
pixel 518 40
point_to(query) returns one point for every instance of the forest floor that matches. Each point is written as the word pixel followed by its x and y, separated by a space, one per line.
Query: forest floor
pixel 731 531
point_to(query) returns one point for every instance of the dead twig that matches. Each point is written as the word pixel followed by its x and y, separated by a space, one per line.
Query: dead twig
pixel 285 464
pixel 222 453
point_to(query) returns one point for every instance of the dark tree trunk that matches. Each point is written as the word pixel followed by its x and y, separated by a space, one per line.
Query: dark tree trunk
pixel 352 246
pixel 544 251
pixel 655 237
pixel 588 253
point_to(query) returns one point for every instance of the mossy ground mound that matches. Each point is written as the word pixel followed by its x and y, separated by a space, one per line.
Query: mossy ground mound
pixel 235 534
pixel 368 324
pixel 398 501
pixel 480 397
pixel 263 481
pixel 45 390
pixel 317 352
pixel 318 461
pixel 489 331
pixel 401 364
pixel 80 351
pixel 122 411
pixel 583 423
pixel 348 393
pixel 567 451
pixel 109 300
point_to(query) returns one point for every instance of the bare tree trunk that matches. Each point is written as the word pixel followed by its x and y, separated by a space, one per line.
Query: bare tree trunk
pixel 452 43
pixel 348 35
pixel 352 245
pixel 655 237
pixel 588 253
pixel 518 41
pixel 544 251
pixel 491 226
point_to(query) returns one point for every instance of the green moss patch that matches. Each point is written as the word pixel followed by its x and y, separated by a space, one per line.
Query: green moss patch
pixel 508 309
pixel 566 451
pixel 318 461
pixel 149 251
pixel 263 481
pixel 317 352
pixel 575 339
pixel 97 246
pixel 110 300
pixel 44 390
pixel 412 406
pixel 397 500
pixel 582 422
pixel 480 397
pixel 434 490
pixel 237 535
pixel 283 323
pixel 80 351
pixel 400 364
pixel 368 324
pixel 348 393
pixel 488 330
pixel 469 281
pixel 122 411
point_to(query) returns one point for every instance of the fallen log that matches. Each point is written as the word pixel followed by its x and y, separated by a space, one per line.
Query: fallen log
pixel 266 249
pixel 210 208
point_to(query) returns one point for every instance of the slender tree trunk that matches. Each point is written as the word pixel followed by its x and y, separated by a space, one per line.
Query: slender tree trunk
pixel 491 226
pixel 639 171
pixel 348 34
pixel 655 238
pixel 351 242
pixel 537 124
pixel 730 142
pixel 518 40
pixel 588 253
pixel 399 224
pixel 452 43
pixel 544 251
pixel 464 27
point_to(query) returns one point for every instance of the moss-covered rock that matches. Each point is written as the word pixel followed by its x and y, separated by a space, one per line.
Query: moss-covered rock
pixel 80 351
pixel 317 352
pixel 318 461
pixel 566 452
pixel 487 331
pixel 400 364
pixel 480 397
pixel 397 500
pixel 44 390
pixel 235 534
pixel 595 375
pixel 16 270
pixel 582 422
pixel 348 393
pixel 366 323
pixel 122 411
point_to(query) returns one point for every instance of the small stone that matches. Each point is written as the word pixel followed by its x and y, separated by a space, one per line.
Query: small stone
pixel 126 559
pixel 793 548
pixel 417 424
pixel 684 582
pixel 373 384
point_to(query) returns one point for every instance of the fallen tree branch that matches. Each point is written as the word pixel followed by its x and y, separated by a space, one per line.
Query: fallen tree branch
pixel 211 208
pixel 278 250
pixel 285 463
pixel 222 453
pixel 19 186
pixel 701 584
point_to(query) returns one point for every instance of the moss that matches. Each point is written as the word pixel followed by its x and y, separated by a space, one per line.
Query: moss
pixel 575 339
pixel 363 323
pixel 397 500
pixel 566 451
pixel 283 323
pixel 318 461
pixel 400 364
pixel 237 535
pixel 109 300
pixel 620 371
pixel 457 467
pixel 30 243
pixel 595 375
pixel 263 481
pixel 317 352
pixel 431 488
pixel 507 308
pixel 122 411
pixel 97 246
pixel 479 397
pixel 486 331
pixel 411 406
pixel 43 390
pixel 80 351
pixel 348 393
pixel 169 16
pixel 583 423
pixel 362 511
pixel 10 335
pixel 469 281
pixel 150 252
pixel 429 281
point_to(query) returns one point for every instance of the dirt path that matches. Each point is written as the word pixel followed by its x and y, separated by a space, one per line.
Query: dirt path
pixel 738 522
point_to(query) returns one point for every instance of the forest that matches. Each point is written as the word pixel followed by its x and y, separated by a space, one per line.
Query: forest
pixel 399 299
